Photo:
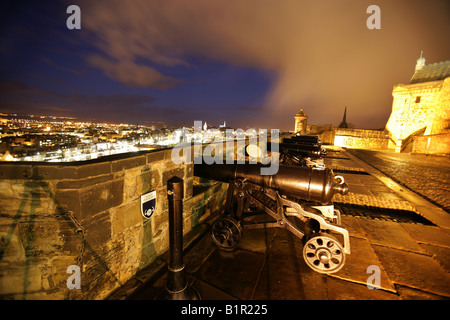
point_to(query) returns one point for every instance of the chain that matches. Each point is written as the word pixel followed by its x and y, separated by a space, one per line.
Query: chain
pixel 81 232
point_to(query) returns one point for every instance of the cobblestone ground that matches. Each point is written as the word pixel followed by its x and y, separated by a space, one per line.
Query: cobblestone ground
pixel 428 176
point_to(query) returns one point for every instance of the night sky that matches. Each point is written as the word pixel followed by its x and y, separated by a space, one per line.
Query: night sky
pixel 253 64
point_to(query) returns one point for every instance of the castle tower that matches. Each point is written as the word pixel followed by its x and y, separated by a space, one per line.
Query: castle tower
pixel 421 107
pixel 300 122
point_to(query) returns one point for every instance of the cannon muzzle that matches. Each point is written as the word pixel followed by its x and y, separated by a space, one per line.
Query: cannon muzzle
pixel 311 184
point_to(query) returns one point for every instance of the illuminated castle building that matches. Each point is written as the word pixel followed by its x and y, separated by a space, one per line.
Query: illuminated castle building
pixel 420 116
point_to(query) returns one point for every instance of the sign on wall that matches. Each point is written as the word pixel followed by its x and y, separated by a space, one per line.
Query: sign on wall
pixel 148 204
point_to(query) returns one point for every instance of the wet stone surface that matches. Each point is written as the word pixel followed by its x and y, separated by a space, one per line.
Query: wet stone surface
pixel 390 239
pixel 425 175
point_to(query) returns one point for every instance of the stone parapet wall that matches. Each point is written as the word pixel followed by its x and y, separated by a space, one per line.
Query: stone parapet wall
pixel 361 138
pixel 88 215
pixel 432 144
pixel 362 133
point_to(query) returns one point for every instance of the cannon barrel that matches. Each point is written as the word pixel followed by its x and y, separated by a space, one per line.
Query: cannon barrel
pixel 311 184
pixel 305 150
pixel 303 139
pixel 296 147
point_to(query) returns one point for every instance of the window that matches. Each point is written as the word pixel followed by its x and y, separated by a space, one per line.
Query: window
pixel 417 99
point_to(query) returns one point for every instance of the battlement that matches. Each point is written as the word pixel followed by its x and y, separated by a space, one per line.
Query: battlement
pixel 88 214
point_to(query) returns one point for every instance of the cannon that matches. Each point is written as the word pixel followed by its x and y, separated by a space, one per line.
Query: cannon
pixel 305 138
pixel 302 150
pixel 295 198
pixel 295 151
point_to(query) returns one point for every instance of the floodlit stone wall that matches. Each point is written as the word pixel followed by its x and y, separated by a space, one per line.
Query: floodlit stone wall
pixel 361 138
pixel 88 215
pixel 420 108
pixel 432 144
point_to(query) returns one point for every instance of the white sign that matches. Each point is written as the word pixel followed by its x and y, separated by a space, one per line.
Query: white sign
pixel 148 204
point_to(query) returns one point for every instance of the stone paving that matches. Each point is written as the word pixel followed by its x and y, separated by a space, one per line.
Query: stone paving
pixel 428 176
pixel 413 259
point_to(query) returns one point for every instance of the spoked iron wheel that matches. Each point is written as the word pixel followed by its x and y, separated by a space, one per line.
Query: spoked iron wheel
pixel 324 254
pixel 226 233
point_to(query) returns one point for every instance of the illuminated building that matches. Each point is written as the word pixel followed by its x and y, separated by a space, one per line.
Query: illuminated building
pixel 419 121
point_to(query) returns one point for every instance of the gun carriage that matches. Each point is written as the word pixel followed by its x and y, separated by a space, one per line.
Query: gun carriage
pixel 297 198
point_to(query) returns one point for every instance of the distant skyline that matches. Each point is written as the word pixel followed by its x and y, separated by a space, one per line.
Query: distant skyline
pixel 253 64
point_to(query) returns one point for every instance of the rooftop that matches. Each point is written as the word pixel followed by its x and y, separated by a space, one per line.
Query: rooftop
pixel 432 72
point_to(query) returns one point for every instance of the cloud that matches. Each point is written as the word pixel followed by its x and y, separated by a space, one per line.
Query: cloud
pixel 133 75
pixel 62 68
pixel 18 97
pixel 320 53
pixel 11 87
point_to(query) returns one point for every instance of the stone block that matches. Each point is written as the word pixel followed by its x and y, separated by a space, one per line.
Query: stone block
pixel 134 172
pixel 390 234
pixel 440 254
pixel 407 293
pixel 285 275
pixel 71 238
pixel 344 290
pixel 148 254
pixel 224 270
pixel 6 190
pixel 132 256
pixel 52 172
pixel 97 229
pixel 94 169
pixel 168 154
pixel 125 216
pixel 148 180
pixel 356 264
pixel 414 270
pixel 161 238
pixel 155 156
pixel 352 225
pixel 188 188
pixel 101 197
pixel 172 172
pixel 13 282
pixel 128 163
pixel 11 242
pixel 15 171
pixel 160 220
pixel 58 270
pixel 41 236
pixel 189 169
pixel 130 189
pixel 69 200
pixel 98 283
pixel 83 183
pixel 427 234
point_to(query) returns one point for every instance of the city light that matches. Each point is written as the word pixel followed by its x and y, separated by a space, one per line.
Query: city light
pixel 55 139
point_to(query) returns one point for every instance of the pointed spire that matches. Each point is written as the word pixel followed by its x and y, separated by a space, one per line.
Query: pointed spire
pixel 344 123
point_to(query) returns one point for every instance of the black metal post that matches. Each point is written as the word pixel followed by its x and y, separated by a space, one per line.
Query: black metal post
pixel 177 287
